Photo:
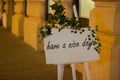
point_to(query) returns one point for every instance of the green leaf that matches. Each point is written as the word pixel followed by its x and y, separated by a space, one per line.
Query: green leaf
pixel 71 31
pixel 96 27
pixel 89 39
pixel 93 35
pixel 88 35
pixel 75 31
pixel 83 30
pixel 80 32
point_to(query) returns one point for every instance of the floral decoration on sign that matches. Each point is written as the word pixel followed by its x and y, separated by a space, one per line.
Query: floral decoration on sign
pixel 59 21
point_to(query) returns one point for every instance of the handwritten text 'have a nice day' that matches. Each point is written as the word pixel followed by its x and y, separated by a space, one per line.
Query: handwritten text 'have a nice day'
pixel 72 44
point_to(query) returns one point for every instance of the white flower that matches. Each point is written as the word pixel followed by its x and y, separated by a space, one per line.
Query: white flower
pixel 69 27
pixel 44 29
pixel 59 27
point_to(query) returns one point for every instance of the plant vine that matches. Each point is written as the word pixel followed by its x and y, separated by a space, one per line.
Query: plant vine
pixel 59 21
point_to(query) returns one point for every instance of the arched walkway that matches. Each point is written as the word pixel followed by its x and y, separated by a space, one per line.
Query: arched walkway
pixel 19 61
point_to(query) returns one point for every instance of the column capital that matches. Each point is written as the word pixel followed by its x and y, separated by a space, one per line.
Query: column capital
pixel 109 10
pixel 36 8
pixel 110 3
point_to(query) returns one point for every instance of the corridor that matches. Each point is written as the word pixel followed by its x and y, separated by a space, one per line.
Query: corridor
pixel 19 61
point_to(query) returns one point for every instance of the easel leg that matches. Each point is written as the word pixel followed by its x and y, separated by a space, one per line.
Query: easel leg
pixel 73 72
pixel 87 71
pixel 60 71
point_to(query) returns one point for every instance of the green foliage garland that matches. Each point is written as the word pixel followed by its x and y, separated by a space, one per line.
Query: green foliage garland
pixel 59 21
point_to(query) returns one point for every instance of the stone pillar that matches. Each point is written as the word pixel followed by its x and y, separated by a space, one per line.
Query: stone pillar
pixel 4 14
pixel 7 14
pixel 34 20
pixel 68 7
pixel 106 15
pixel 1 3
pixel 1 10
pixel 18 17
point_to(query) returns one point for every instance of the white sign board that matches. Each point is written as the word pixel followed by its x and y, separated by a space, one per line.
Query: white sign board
pixel 65 47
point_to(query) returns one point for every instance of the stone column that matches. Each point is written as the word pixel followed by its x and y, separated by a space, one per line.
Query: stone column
pixel 1 10
pixel 7 14
pixel 106 15
pixel 34 20
pixel 68 7
pixel 4 14
pixel 1 3
pixel 18 17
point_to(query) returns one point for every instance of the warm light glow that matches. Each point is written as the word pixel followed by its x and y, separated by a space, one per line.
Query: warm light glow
pixel 49 3
pixel 85 7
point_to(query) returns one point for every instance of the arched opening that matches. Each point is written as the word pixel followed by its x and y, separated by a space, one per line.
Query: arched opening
pixel 85 7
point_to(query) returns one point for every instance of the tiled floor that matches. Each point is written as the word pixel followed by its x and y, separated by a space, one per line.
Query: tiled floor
pixel 19 61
